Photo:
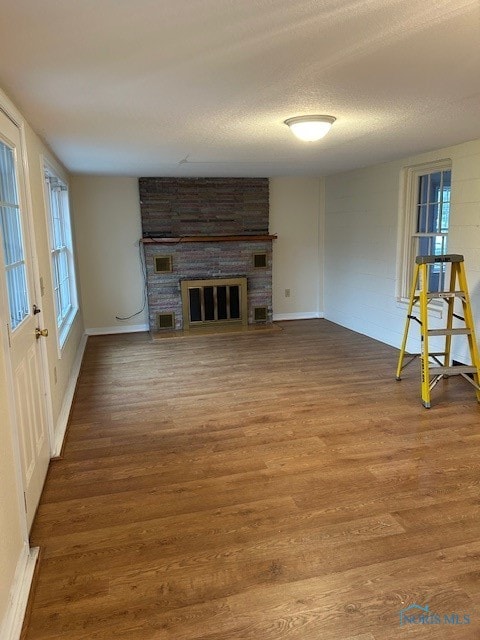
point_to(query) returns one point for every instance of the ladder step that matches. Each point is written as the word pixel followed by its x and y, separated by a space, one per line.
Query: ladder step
pixel 452 257
pixel 445 294
pixel 449 332
pixel 451 371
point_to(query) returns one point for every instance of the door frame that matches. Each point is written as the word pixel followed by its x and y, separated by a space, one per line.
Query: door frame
pixel 10 111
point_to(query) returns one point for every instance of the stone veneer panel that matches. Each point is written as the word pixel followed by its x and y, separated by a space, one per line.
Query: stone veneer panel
pixel 198 261
pixel 204 206
pixel 175 207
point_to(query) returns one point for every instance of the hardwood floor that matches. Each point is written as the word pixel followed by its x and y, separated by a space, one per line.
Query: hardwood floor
pixel 259 486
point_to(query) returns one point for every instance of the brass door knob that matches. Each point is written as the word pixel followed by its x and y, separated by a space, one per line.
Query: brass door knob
pixel 41 333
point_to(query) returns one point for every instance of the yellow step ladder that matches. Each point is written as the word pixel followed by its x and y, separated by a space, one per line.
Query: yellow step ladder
pixel 435 366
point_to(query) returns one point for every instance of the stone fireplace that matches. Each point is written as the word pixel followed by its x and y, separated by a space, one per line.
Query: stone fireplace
pixel 208 253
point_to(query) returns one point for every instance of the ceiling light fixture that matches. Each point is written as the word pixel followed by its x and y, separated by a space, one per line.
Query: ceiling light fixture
pixel 310 128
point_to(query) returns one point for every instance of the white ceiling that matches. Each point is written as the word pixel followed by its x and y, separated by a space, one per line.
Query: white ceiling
pixel 135 87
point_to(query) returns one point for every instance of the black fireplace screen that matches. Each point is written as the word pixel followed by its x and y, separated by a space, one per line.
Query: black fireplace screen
pixel 213 303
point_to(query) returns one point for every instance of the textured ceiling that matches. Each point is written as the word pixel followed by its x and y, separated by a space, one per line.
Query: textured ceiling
pixel 201 87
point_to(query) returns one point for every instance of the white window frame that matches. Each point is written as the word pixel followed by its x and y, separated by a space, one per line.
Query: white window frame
pixel 18 294
pixel 53 182
pixel 408 206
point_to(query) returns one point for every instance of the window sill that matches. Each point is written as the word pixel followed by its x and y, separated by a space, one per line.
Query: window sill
pixel 64 330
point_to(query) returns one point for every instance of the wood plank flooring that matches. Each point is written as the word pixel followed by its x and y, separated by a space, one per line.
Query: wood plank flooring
pixel 259 486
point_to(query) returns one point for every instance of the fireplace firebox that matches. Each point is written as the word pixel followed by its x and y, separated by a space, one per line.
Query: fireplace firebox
pixel 217 300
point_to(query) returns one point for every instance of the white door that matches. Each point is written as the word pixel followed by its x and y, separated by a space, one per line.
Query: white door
pixel 17 300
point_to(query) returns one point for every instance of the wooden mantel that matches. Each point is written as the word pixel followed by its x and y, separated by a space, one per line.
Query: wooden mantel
pixel 182 239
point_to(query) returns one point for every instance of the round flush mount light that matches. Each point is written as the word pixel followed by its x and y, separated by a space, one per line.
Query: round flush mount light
pixel 310 128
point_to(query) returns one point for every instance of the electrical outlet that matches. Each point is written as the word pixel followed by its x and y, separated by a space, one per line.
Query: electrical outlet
pixel 287 293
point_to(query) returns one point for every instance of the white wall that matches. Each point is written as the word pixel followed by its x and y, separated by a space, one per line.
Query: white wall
pixel 106 213
pixel 107 222
pixel 60 368
pixel 13 543
pixel 361 230
pixel 297 216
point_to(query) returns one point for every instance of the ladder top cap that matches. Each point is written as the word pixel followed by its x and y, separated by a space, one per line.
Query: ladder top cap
pixel 452 257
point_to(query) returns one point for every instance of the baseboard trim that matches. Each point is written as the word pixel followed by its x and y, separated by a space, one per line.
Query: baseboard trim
pixel 62 422
pixel 12 623
pixel 105 331
pixel 306 315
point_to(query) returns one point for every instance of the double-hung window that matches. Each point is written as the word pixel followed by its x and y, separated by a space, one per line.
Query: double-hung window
pixel 61 248
pixel 426 222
